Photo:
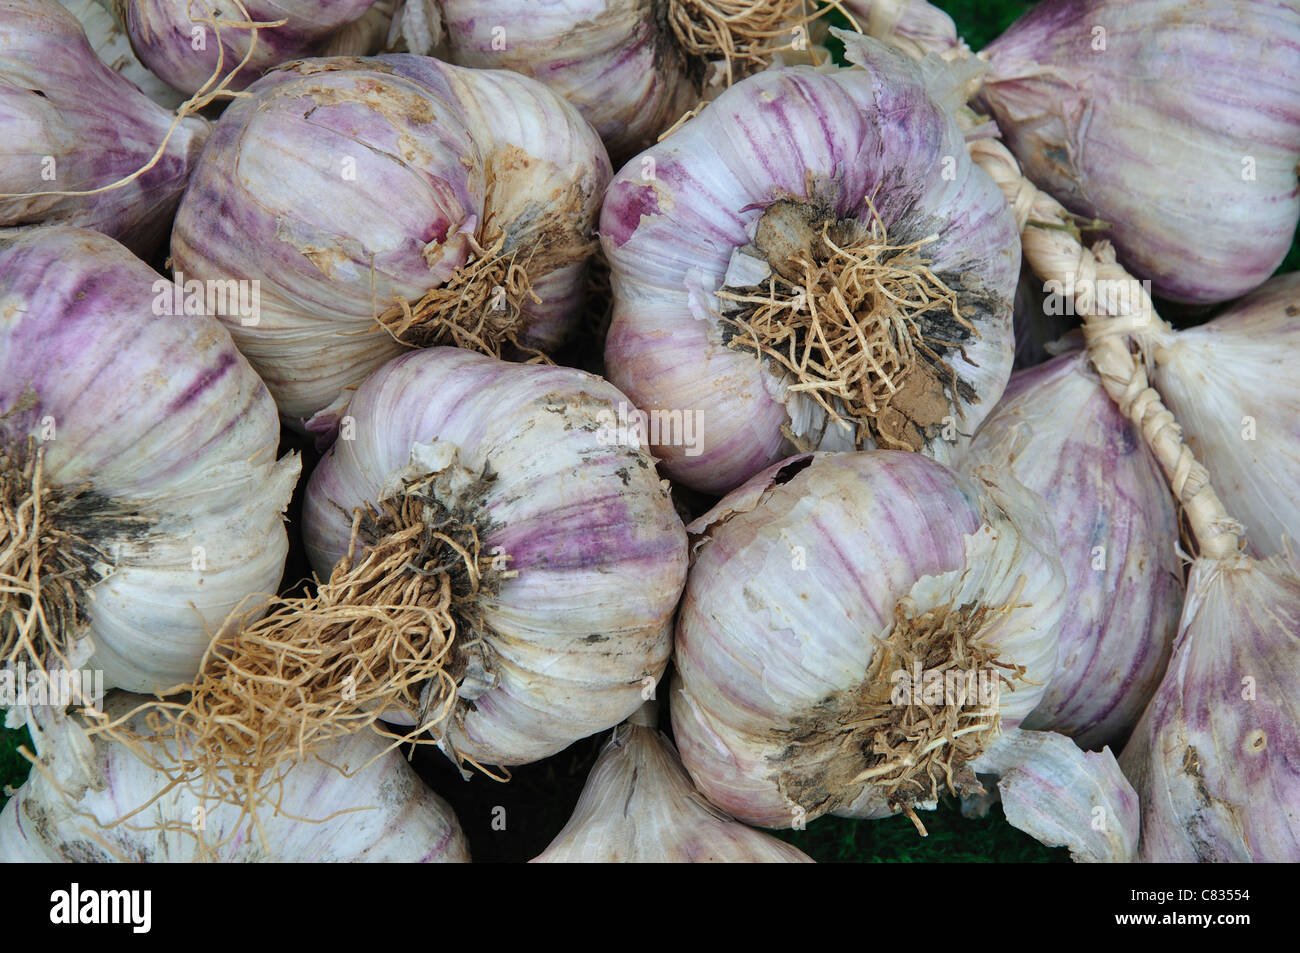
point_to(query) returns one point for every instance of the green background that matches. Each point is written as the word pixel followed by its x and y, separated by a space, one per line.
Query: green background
pixel 541 796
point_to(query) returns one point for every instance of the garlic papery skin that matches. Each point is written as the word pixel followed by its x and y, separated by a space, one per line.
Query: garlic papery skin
pixel 771 178
pixel 639 806
pixel 1231 384
pixel 162 498
pixel 1059 434
pixel 583 556
pixel 356 801
pixel 1064 796
pixel 69 124
pixel 1216 757
pixel 470 195
pixel 913 26
pixel 1181 132
pixel 826 598
pixel 110 41
pixel 188 42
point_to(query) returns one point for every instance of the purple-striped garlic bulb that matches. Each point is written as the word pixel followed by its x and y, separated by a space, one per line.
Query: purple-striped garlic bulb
pixel 856 628
pixel 559 556
pixel 1215 759
pixel 92 800
pixel 1231 383
pixel 633 67
pixel 70 128
pixel 1058 433
pixel 182 41
pixel 392 202
pixel 639 806
pixel 140 496
pixel 813 262
pixel 1179 129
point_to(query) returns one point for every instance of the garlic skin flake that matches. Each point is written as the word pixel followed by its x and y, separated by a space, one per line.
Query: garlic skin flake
pixel 815 595
pixel 584 557
pixel 355 802
pixel 71 124
pixel 157 444
pixel 761 186
pixel 639 806
pixel 1231 384
pixel 1065 797
pixel 1058 433
pixel 1178 129
pixel 1216 757
pixel 362 181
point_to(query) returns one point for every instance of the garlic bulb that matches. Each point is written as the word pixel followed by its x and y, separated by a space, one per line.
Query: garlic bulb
pixel 1058 432
pixel 638 806
pixel 1180 132
pixel 71 126
pixel 147 445
pixel 183 41
pixel 613 59
pixel 110 41
pixel 567 619
pixel 1065 797
pixel 1231 384
pixel 856 628
pixel 831 222
pixel 356 801
pixel 1216 757
pixel 454 205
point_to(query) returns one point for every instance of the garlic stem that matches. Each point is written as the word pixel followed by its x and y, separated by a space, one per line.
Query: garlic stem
pixel 1053 249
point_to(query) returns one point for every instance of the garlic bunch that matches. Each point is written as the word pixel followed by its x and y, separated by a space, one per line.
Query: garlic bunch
pixel 390 202
pixel 1231 384
pixel 632 67
pixel 140 496
pixel 1058 433
pixel 71 128
pixel 1216 757
pixel 89 800
pixel 1063 796
pixel 811 263
pixel 638 806
pixel 857 627
pixel 110 41
pixel 183 41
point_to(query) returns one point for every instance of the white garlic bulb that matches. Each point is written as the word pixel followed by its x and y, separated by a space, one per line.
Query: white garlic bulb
pixel 856 628
pixel 89 800
pixel 151 447
pixel 110 41
pixel 639 806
